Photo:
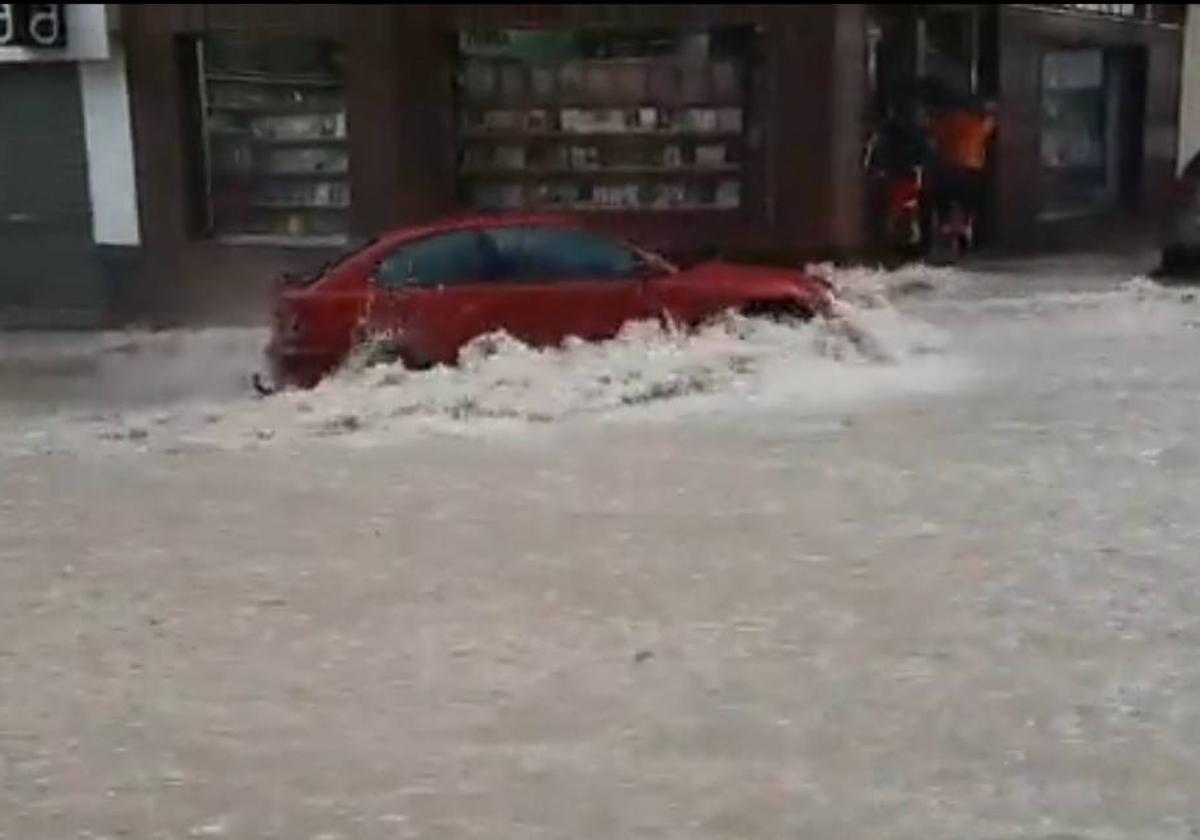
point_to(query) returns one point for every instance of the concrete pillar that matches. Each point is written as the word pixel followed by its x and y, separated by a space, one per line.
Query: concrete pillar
pixel 1189 90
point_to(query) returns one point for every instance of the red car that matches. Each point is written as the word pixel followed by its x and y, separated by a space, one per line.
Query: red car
pixel 432 289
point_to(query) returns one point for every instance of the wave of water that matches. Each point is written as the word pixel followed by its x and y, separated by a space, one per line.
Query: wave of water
pixel 181 388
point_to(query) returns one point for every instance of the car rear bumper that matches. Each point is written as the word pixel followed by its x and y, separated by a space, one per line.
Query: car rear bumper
pixel 297 366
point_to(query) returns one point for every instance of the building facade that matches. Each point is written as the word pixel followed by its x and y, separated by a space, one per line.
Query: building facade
pixel 206 148
pixel 266 130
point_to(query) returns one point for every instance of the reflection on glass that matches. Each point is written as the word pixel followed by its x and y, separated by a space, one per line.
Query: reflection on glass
pixel 1074 145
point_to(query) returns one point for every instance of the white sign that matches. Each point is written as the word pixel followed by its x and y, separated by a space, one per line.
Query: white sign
pixel 53 32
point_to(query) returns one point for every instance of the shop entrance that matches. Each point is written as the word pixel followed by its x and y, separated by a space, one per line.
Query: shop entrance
pixel 924 61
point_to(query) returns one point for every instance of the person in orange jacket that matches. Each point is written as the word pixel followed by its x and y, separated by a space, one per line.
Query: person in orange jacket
pixel 961 137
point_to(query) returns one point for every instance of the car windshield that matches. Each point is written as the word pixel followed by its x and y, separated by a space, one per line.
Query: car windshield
pixel 356 247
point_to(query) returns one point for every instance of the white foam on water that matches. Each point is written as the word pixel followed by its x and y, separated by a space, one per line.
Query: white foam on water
pixel 133 391
pixel 868 351
pixel 869 285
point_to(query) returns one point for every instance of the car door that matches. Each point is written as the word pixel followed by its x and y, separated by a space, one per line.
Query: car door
pixel 561 282
pixel 433 295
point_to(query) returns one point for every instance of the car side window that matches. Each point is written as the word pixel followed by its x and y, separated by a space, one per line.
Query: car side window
pixel 448 259
pixel 547 254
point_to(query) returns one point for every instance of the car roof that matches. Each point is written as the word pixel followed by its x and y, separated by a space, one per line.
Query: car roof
pixel 479 221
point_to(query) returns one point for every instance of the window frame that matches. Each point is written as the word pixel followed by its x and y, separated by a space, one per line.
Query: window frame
pixel 281 189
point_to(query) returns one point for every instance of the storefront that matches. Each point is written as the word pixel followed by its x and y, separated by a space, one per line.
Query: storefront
pixel 266 134
pixel 1089 116
pixel 1086 94
pixel 266 137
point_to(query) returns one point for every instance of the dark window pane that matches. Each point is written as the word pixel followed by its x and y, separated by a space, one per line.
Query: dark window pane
pixel 1078 132
pixel 450 259
pixel 537 254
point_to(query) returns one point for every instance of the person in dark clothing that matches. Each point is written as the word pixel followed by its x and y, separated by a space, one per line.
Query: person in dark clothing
pixel 899 157
pixel 900 143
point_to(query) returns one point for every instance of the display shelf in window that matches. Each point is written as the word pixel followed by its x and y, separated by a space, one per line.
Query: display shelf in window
pixel 602 119
pixel 622 194
pixel 246 137
pixel 606 172
pixel 276 137
pixel 315 240
pixel 275 110
pixel 635 135
pixel 299 205
pixel 272 80
pixel 284 175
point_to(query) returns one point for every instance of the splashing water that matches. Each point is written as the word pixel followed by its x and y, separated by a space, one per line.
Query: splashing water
pixel 869 350
pixel 735 364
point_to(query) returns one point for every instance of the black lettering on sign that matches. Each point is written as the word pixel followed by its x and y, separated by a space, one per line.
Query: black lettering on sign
pixel 36 25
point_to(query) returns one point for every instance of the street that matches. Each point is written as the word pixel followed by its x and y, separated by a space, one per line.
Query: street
pixel 932 575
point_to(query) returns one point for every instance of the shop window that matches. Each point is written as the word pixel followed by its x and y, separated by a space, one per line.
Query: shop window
pixel 1078 143
pixel 602 119
pixel 273 120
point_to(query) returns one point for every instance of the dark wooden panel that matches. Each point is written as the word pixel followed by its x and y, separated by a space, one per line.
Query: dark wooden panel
pixel 372 75
pixel 425 103
pixel 1017 167
pixel 401 115
pixel 849 92
pixel 801 110
pixel 155 92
